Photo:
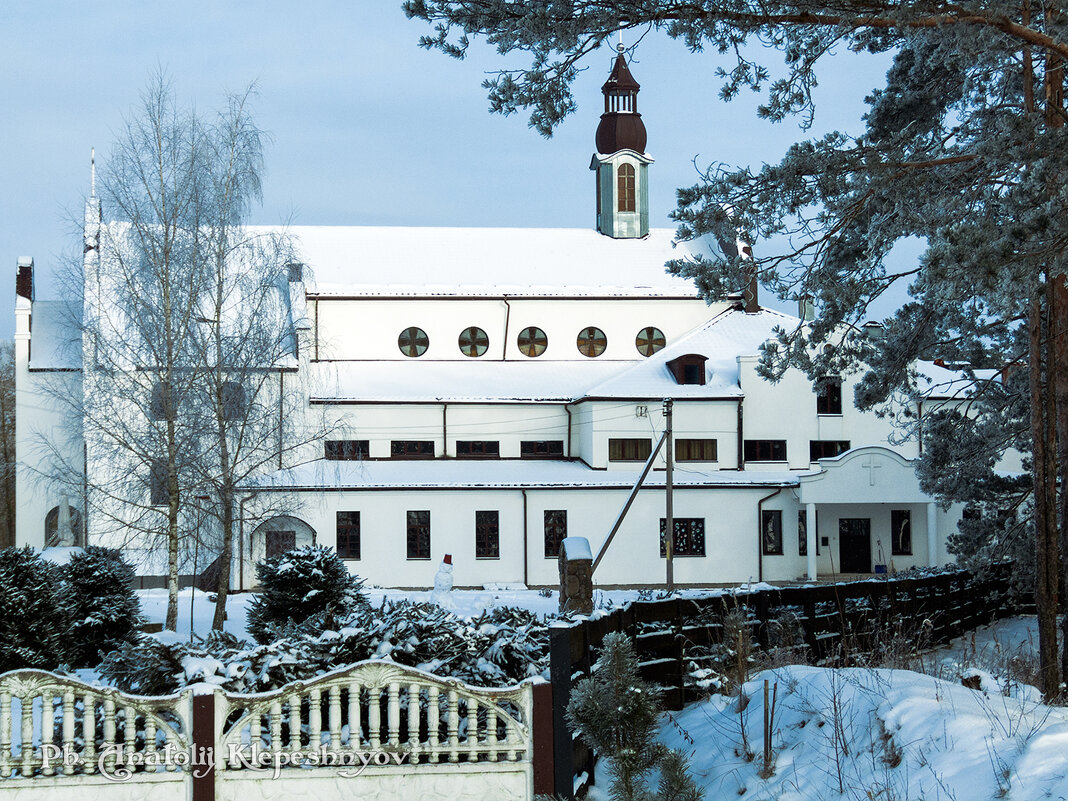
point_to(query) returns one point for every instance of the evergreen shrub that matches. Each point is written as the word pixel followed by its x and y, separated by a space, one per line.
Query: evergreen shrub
pixel 102 607
pixel 34 618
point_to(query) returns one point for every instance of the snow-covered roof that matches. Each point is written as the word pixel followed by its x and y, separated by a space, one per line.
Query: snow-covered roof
pixel 56 338
pixel 941 382
pixel 496 474
pixel 533 262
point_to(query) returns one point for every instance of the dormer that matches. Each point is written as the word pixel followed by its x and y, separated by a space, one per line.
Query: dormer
pixel 688 369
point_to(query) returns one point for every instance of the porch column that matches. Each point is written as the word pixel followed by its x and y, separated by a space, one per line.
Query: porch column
pixel 810 539
pixel 932 535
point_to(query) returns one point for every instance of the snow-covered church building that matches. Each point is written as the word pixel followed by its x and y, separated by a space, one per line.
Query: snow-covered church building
pixel 493 391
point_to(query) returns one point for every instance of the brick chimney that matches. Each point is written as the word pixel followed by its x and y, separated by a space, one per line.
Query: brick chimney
pixel 24 278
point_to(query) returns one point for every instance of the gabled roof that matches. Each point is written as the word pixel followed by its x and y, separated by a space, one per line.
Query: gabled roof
pixel 940 382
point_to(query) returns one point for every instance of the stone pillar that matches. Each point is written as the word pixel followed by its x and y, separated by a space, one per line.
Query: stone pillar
pixel 932 534
pixel 810 539
pixel 576 576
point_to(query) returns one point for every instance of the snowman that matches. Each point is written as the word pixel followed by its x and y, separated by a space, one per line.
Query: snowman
pixel 443 583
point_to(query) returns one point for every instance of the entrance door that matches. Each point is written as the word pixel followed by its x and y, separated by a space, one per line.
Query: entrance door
pixel 854 544
pixel 278 542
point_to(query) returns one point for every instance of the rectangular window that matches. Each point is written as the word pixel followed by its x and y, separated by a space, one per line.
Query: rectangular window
pixel 157 483
pixel 542 449
pixel 411 449
pixel 826 448
pixel 419 534
pixel 900 532
pixel 689 539
pixel 695 450
pixel 771 532
pixel 829 395
pixel 765 450
pixel 629 450
pixel 346 450
pixel 348 535
pixel 802 533
pixel 555 531
pixel 487 535
pixel 477 449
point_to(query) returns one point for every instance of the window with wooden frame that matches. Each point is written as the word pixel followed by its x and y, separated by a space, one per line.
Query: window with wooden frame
pixel 411 449
pixel 625 185
pixel 158 491
pixel 591 342
pixel 487 535
pixel 347 530
pixel 532 341
pixel 232 400
pixel 541 449
pixel 478 449
pixel 555 531
pixel 473 342
pixel 629 450
pixel 413 342
pixel 802 533
pixel 829 395
pixel 764 450
pixel 826 448
pixel 900 532
pixel 689 539
pixel 419 534
pixel 695 450
pixel 345 450
pixel 649 341
pixel 771 532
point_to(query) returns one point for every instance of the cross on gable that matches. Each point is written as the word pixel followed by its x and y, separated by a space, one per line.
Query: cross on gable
pixel 871 465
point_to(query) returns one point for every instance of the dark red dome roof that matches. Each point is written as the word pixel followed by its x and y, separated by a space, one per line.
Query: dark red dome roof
pixel 621 125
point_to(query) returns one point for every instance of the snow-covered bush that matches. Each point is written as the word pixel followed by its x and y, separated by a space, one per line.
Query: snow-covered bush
pixel 102 606
pixel 616 713
pixel 33 616
pixel 296 585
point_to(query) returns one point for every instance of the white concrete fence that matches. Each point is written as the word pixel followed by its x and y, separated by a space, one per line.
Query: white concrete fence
pixel 374 730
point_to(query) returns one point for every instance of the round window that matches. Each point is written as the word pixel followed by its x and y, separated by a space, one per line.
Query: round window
pixel 649 341
pixel 413 341
pixel 592 341
pixel 532 341
pixel 473 341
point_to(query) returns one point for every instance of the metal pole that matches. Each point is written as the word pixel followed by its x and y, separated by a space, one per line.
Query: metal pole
pixel 669 523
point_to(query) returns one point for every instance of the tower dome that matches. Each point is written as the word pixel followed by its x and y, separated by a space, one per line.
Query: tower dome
pixel 621 126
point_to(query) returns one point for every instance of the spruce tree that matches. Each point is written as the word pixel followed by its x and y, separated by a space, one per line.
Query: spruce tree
pixel 34 616
pixel 102 606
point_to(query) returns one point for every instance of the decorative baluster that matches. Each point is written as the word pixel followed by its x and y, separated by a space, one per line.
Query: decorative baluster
pixel 472 729
pixel 27 735
pixel 172 745
pixel 315 718
pixel 512 737
pixel 5 734
pixel 89 733
pixel 413 722
pixel 374 716
pixel 150 738
pixel 335 718
pixel 433 721
pixel 68 729
pixel 255 734
pixel 454 726
pixel 276 726
pixel 294 722
pixel 109 731
pixel 48 729
pixel 491 732
pixel 354 715
pixel 129 720
pixel 394 713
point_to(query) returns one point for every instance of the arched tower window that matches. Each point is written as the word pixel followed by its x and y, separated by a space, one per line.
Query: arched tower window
pixel 625 181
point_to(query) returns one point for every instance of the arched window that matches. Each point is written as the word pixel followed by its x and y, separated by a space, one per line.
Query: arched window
pixel 232 398
pixel 52 533
pixel 532 341
pixel 625 182
pixel 413 342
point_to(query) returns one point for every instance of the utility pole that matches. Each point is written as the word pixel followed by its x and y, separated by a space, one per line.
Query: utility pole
pixel 669 523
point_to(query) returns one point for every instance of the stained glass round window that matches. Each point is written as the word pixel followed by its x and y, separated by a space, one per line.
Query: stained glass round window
pixel 649 341
pixel 413 341
pixel 473 341
pixel 592 341
pixel 532 341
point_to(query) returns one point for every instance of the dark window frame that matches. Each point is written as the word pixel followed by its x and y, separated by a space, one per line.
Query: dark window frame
pixel 685 449
pixel 233 401
pixel 626 188
pixel 591 342
pixel 826 448
pixel 418 534
pixel 473 342
pixel 629 449
pixel 413 342
pixel 829 395
pixel 771 532
pixel 764 450
pixel 347 534
pixel 158 491
pixel 555 530
pixel 532 342
pixel 487 534
pixel 802 532
pixel 478 449
pixel 688 539
pixel 345 450
pixel 901 532
pixel 411 449
pixel 650 340
pixel 541 449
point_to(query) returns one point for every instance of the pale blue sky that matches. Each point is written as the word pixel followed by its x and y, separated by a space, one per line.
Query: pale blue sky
pixel 367 129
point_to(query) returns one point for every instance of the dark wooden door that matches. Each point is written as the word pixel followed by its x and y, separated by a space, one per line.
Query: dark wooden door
pixel 854 544
pixel 278 542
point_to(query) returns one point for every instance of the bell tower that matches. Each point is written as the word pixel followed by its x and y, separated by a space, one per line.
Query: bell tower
pixel 621 163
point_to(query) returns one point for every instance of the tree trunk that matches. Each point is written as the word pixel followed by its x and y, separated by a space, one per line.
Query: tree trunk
pixel 226 559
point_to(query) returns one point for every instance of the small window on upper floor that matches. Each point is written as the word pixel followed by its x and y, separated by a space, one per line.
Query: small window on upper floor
pixel 695 450
pixel 826 448
pixel 232 399
pixel 411 449
pixel 591 342
pixel 532 341
pixel 478 449
pixel 346 450
pixel 413 342
pixel 629 450
pixel 473 342
pixel 625 181
pixel 688 369
pixel 829 395
pixel 764 450
pixel 541 449
pixel 649 341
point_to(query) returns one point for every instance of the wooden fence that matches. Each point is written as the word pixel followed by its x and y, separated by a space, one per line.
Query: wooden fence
pixel 848 623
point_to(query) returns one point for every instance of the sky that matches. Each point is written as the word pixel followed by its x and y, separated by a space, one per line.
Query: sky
pixel 366 128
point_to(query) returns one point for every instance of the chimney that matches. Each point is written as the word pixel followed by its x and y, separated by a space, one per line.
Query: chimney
pixel 806 308
pixel 24 278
